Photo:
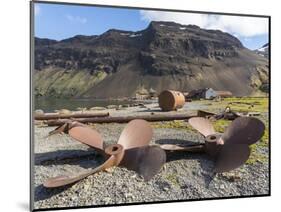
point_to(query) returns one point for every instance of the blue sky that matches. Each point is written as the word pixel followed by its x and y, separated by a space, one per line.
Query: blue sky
pixel 58 22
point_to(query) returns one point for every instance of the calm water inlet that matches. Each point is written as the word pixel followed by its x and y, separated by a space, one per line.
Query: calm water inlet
pixel 51 104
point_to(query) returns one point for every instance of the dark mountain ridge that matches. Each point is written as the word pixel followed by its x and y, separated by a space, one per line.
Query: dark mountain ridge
pixel 165 55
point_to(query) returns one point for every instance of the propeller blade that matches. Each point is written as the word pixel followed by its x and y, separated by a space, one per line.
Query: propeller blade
pixel 137 133
pixel 87 136
pixel 231 157
pixel 117 153
pixel 244 130
pixel 202 125
pixel 61 129
pixel 145 160
pixel 66 180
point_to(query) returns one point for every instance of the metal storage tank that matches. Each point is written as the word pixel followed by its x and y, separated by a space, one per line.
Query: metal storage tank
pixel 171 100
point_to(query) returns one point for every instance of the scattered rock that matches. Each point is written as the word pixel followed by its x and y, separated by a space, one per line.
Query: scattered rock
pixel 81 109
pixel 111 106
pixel 166 189
pixel 39 112
pixel 184 176
pixel 119 107
pixel 222 186
pixel 97 108
pixel 64 112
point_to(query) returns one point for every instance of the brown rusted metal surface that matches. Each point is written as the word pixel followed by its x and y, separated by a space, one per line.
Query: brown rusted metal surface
pixel 202 125
pixel 82 133
pixel 123 119
pixel 68 116
pixel 171 100
pixel 244 130
pixel 136 134
pixel 205 114
pixel 192 148
pixel 145 160
pixel 213 145
pixel 65 127
pixel 87 136
pixel 132 146
pixel 231 157
pixel 224 93
pixel 113 160
pixel 227 114
pixel 113 149
pixel 60 129
pixel 229 150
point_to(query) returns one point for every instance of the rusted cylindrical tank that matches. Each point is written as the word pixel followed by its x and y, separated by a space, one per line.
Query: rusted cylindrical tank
pixel 171 100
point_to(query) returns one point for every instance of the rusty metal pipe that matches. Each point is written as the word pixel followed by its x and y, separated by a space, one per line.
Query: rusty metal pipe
pixel 68 116
pixel 124 119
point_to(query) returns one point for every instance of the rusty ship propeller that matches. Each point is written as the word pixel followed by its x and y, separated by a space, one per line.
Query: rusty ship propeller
pixel 81 133
pixel 230 149
pixel 132 151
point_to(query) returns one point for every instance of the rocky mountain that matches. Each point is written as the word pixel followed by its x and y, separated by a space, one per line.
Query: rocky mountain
pixel 165 55
pixel 263 51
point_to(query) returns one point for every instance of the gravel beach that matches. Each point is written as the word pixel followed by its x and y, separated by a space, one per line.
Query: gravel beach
pixel 184 176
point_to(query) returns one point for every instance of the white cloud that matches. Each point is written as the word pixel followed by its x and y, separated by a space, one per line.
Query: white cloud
pixel 77 19
pixel 240 26
pixel 37 10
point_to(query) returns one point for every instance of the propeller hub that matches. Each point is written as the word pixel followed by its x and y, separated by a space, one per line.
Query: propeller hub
pixel 114 149
pixel 213 138
pixel 213 144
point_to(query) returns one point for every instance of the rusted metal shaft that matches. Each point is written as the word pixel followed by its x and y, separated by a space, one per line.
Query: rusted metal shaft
pixel 199 148
pixel 202 113
pixel 68 116
pixel 123 119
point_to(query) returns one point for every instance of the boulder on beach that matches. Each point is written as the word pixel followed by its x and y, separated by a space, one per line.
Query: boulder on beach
pixel 39 112
pixel 64 111
pixel 111 106
pixel 97 108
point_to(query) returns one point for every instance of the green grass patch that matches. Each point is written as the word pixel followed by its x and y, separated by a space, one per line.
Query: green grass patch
pixel 176 124
pixel 256 156
pixel 263 143
pixel 221 125
pixel 237 104
pixel 172 178
pixel 247 104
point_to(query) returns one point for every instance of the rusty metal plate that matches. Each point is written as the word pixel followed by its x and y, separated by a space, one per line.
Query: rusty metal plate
pixel 146 160
pixel 244 130
pixel 231 157
pixel 137 133
pixel 202 125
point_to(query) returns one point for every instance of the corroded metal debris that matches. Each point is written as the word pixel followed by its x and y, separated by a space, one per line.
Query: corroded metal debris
pixel 50 116
pixel 171 100
pixel 227 114
pixel 131 151
pixel 122 119
pixel 230 149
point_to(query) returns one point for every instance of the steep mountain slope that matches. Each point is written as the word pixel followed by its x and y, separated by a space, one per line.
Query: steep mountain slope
pixel 165 55
pixel 263 51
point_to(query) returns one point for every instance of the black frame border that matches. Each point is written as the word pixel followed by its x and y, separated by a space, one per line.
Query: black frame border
pixel 31 106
